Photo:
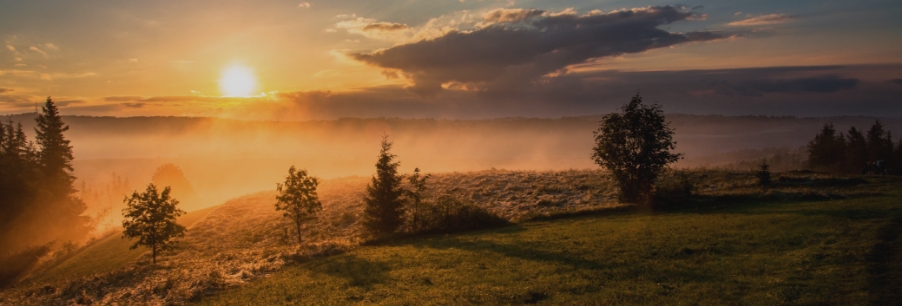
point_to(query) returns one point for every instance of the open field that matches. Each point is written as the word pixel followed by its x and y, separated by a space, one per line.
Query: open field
pixel 762 252
pixel 810 239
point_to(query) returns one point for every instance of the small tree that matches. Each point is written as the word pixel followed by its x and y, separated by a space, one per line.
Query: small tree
pixel 297 198
pixel 635 146
pixel 150 217
pixel 383 207
pixel 418 184
pixel 763 174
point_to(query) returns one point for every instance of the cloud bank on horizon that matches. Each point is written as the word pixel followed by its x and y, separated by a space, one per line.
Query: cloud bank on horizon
pixel 469 59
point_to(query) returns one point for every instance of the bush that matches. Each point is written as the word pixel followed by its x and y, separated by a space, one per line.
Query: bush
pixel 673 187
pixel 451 214
pixel 14 265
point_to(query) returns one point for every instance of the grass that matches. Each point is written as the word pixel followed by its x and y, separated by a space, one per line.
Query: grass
pixel 718 251
pixel 108 254
pixel 810 238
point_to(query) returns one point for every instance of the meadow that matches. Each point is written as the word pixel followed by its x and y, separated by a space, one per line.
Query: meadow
pixel 808 239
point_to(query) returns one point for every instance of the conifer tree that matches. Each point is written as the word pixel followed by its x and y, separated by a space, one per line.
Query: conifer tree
pixel 383 207
pixel 56 152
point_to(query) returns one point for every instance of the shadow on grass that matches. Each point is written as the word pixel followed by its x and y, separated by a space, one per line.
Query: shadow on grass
pixel 358 272
pixel 885 277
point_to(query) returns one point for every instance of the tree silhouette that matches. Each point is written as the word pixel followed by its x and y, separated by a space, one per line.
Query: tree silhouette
pixel 56 153
pixel 297 198
pixel 635 146
pixel 826 150
pixel 150 217
pixel 418 183
pixel 383 207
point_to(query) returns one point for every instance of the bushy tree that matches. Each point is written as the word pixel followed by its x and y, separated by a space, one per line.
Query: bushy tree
pixel 383 206
pixel 150 217
pixel 856 151
pixel 635 146
pixel 297 198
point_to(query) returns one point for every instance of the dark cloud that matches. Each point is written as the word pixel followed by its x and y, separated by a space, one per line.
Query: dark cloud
pixel 757 88
pixel 133 105
pixel 3 90
pixel 384 26
pixel 516 54
pixel 896 81
pixel 798 91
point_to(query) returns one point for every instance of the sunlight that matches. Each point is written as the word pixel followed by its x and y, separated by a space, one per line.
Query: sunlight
pixel 237 81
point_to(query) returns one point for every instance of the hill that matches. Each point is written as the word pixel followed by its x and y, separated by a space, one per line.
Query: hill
pixel 799 242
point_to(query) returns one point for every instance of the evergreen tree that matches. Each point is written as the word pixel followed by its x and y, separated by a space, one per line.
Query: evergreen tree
pixel 56 152
pixel 418 184
pixel 856 152
pixel 826 151
pixel 383 207
pixel 763 174
pixel 880 143
pixel 150 217
pixel 297 198
pixel 635 146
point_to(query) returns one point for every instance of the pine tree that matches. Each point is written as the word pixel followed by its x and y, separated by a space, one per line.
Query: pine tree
pixel 383 210
pixel 150 217
pixel 826 150
pixel 856 151
pixel 56 152
pixel 418 184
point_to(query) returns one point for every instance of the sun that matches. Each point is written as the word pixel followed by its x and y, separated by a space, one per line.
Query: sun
pixel 237 81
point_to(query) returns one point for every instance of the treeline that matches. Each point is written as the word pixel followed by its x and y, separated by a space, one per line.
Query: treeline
pixel 37 201
pixel 870 152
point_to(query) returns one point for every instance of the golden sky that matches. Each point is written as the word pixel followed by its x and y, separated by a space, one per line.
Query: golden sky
pixel 297 60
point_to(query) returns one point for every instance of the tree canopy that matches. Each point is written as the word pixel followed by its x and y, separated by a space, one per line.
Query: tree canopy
pixel 150 217
pixel 297 198
pixel 635 146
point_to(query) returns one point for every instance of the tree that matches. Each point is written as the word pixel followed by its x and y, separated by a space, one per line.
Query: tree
pixel 635 146
pixel 418 183
pixel 150 217
pixel 383 207
pixel 56 153
pixel 880 143
pixel 856 151
pixel 298 198
pixel 763 174
pixel 827 150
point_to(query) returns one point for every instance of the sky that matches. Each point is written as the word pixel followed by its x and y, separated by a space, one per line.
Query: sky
pixel 460 59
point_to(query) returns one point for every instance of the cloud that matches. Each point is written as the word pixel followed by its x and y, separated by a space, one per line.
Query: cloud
pixel 5 90
pixel 35 49
pixel 384 26
pixel 512 15
pixel 757 88
pixel 304 5
pixel 514 54
pixel 51 46
pixel 896 81
pixel 763 20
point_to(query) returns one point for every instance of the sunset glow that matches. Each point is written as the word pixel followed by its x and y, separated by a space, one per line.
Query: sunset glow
pixel 237 81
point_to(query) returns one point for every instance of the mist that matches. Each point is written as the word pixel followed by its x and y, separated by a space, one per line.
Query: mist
pixel 225 158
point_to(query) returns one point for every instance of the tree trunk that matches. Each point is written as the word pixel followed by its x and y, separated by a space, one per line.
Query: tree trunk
pixel 298 224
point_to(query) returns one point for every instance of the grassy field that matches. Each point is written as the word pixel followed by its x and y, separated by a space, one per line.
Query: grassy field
pixel 809 239
pixel 769 249
pixel 108 254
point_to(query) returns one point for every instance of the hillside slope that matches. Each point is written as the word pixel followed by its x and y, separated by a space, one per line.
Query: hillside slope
pixel 762 252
